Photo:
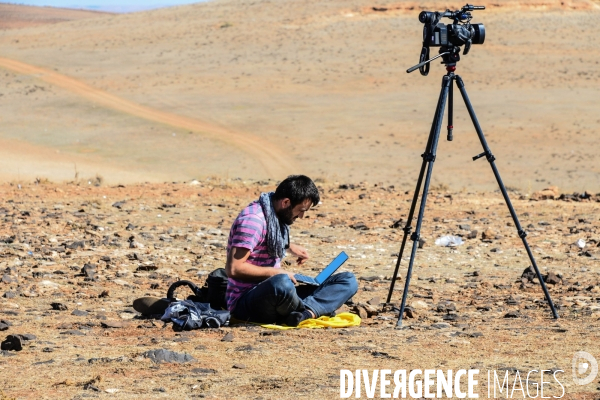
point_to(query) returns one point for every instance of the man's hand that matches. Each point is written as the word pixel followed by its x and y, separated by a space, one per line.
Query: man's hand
pixel 289 274
pixel 299 252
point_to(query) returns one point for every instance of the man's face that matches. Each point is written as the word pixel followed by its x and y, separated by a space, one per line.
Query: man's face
pixel 289 214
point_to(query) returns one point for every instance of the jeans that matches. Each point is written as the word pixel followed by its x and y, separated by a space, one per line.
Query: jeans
pixel 275 298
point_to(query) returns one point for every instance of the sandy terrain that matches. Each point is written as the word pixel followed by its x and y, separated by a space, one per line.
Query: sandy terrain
pixel 105 121
pixel 460 296
pixel 320 87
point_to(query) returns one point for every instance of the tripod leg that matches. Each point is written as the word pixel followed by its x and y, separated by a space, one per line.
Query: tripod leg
pixel 408 226
pixel 488 154
pixel 430 159
pixel 450 111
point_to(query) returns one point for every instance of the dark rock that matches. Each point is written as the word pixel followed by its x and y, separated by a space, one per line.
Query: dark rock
pixel 422 243
pixel 89 271
pixel 529 274
pixel 12 343
pixel 476 334
pixel 359 226
pixel 28 336
pixel 228 337
pixel 3 326
pixel 119 204
pixel 79 313
pixel 464 227
pixel 76 245
pixel 512 314
pixel 59 307
pixel 239 366
pixel 73 332
pixel 130 227
pixel 440 325
pixel 168 356
pixel 114 324
pixel 9 295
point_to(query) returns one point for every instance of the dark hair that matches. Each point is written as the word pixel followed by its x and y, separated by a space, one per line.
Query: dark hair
pixel 297 188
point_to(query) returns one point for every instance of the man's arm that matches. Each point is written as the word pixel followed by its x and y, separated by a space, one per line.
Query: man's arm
pixel 237 267
pixel 299 252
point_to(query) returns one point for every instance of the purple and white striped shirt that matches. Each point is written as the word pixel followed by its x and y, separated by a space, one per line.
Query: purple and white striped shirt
pixel 249 231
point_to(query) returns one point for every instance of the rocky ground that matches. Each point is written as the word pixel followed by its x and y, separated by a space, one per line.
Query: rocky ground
pixel 75 256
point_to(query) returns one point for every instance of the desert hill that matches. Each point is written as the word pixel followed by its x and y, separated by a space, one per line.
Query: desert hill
pixel 265 88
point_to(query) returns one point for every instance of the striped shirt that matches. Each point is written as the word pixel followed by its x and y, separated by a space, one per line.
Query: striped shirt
pixel 249 231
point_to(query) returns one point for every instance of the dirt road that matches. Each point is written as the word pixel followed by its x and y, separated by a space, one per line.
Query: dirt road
pixel 270 156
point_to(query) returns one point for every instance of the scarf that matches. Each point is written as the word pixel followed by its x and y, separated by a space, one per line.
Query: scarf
pixel 278 234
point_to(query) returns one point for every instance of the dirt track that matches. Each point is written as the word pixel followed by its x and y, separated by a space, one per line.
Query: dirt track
pixel 272 158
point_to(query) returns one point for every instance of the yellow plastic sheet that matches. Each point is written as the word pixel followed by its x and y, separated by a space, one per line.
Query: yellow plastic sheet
pixel 342 320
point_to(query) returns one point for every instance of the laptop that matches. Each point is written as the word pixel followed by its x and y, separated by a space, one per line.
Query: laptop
pixel 326 273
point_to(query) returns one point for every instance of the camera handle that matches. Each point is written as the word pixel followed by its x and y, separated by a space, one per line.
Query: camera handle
pixel 411 69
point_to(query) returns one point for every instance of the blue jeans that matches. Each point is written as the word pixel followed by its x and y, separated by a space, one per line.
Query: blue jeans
pixel 275 298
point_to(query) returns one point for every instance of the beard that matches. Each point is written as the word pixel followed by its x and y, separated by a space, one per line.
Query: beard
pixel 286 215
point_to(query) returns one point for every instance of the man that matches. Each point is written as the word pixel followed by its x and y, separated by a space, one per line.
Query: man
pixel 258 289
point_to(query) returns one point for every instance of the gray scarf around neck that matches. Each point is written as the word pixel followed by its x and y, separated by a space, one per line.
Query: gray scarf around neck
pixel 278 233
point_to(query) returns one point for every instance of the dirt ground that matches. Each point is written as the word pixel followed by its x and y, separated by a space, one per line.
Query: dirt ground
pixel 130 142
pixel 460 297
pixel 253 90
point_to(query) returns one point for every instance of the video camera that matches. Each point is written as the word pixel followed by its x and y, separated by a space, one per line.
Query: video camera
pixel 449 37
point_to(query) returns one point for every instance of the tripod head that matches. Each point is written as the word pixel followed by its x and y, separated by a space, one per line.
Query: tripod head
pixel 448 37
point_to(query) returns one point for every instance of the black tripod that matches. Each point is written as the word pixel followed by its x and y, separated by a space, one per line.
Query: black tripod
pixel 428 160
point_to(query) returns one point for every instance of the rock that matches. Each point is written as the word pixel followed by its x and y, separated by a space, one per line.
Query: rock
pixel 9 295
pixel 550 193
pixel 472 234
pixel 204 371
pixel 73 332
pixel 228 337
pixel 360 226
pixel 440 325
pixel 130 227
pixel 89 271
pixel 76 245
pixel 361 312
pixel 446 307
pixel 552 278
pixel 370 310
pixel 168 356
pixel 419 304
pixel 422 243
pixel 12 343
pixel 488 235
pixel 59 307
pixel 464 227
pixel 239 366
pixel 3 326
pixel 79 313
pixel 512 314
pixel 529 274
pixel 409 312
pixel 8 279
pixel 374 301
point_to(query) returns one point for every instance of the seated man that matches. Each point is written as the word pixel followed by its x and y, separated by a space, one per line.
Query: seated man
pixel 258 289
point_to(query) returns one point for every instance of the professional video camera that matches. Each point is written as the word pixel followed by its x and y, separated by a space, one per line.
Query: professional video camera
pixel 448 37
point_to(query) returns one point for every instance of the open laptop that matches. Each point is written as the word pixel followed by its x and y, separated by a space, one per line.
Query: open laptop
pixel 326 273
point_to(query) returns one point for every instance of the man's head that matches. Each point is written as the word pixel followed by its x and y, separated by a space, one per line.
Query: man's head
pixel 294 196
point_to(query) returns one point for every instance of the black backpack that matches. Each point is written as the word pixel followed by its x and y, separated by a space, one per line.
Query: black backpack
pixel 212 292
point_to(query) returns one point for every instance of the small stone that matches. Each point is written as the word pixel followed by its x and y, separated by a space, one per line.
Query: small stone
pixel 73 332
pixel 9 295
pixel 3 326
pixel 168 356
pixel 114 324
pixel 59 307
pixel 79 313
pixel 440 325
pixel 239 366
pixel 12 343
pixel 472 234
pixel 552 279
pixel 361 311
pixel 228 337
pixel 204 371
pixel 464 227
pixel 512 314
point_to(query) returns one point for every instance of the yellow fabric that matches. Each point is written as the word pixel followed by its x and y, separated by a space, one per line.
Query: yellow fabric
pixel 342 320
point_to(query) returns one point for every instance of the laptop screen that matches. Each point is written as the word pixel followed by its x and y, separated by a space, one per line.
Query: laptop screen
pixel 331 268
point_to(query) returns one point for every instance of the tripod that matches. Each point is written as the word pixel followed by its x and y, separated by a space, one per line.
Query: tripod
pixel 427 169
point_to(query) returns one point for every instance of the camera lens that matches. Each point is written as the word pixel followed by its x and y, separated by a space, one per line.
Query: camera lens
pixel 426 17
pixel 479 36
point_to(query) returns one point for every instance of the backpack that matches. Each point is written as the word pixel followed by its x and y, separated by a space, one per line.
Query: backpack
pixel 212 292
